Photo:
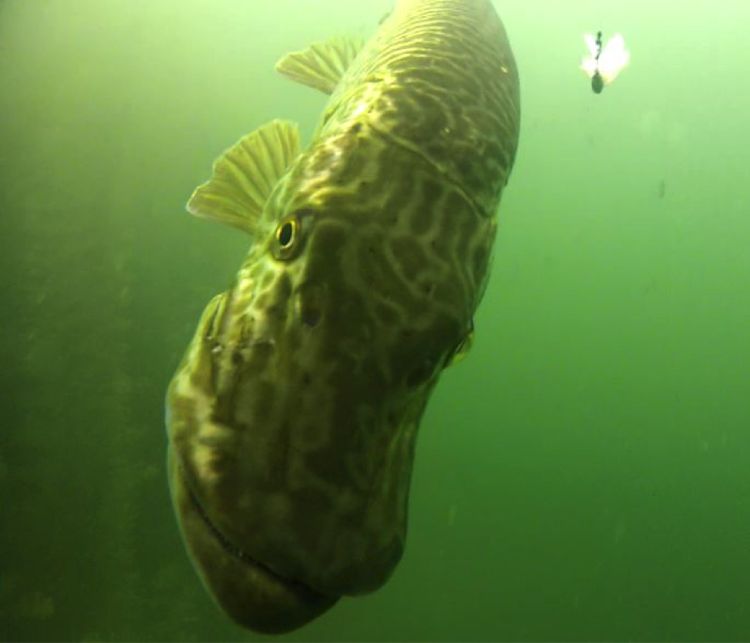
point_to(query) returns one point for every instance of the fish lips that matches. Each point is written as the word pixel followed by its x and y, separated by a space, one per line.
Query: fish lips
pixel 248 591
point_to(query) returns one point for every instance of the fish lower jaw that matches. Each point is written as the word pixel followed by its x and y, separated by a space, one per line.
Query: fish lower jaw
pixel 251 593
pixel 229 547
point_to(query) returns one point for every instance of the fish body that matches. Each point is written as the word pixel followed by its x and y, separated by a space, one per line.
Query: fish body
pixel 293 416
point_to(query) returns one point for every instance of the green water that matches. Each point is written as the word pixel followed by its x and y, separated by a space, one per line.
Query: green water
pixel 583 475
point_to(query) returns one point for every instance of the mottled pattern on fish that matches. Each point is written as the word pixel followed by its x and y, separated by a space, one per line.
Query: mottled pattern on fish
pixel 435 82
pixel 293 416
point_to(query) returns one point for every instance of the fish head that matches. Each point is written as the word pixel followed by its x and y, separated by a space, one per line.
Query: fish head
pixel 294 414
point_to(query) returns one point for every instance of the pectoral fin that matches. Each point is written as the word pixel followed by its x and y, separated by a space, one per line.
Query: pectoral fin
pixel 463 348
pixel 322 64
pixel 244 176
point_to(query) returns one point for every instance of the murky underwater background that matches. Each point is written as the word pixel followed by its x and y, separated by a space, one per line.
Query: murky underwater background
pixel 584 474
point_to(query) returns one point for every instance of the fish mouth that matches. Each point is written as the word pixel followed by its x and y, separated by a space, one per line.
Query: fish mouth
pixel 248 590
pixel 232 549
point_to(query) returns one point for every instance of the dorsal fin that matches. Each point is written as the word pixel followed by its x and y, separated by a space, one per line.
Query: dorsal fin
pixel 322 64
pixel 244 176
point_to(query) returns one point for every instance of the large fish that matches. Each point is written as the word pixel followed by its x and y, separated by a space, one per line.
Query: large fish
pixel 293 416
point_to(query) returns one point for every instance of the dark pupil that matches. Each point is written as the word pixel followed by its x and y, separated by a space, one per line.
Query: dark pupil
pixel 285 235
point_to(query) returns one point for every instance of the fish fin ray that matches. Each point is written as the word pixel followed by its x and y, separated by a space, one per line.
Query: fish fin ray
pixel 322 64
pixel 244 176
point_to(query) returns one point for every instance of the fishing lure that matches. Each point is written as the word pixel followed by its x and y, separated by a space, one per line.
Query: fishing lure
pixel 605 61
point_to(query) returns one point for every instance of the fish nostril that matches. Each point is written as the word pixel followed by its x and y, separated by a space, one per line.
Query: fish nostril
pixel 310 300
pixel 310 315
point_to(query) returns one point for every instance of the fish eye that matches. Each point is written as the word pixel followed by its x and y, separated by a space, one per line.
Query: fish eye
pixel 287 237
pixel 285 234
